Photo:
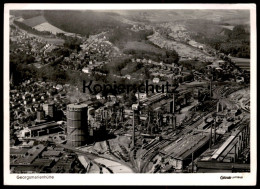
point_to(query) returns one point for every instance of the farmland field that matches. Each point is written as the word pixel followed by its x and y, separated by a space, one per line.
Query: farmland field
pixel 34 21
pixel 40 23
pixel 48 27
pixel 182 49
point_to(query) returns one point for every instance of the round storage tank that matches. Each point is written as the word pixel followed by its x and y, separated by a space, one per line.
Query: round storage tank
pixel 77 124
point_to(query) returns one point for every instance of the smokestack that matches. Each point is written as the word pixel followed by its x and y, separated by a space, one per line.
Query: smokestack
pixel 148 124
pixel 174 122
pixel 185 100
pixel 138 97
pixel 214 132
pixel 210 138
pixel 169 119
pixel 173 103
pixel 133 136
pixel 210 88
pixel 198 95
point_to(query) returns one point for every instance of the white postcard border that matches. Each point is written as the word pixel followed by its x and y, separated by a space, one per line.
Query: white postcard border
pixel 132 179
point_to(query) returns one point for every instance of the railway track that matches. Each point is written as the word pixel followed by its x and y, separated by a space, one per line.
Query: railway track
pixel 92 156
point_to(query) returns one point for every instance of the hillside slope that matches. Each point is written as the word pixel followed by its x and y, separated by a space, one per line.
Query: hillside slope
pixel 34 21
pixel 82 22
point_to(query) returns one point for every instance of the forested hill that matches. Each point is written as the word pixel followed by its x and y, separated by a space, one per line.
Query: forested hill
pixel 82 22
pixel 235 41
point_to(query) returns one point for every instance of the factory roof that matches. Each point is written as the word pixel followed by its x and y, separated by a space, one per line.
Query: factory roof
pixel 42 162
pixel 43 126
pixel 58 149
pixel 183 147
pixel 77 105
pixel 62 164
pixel 222 147
pixel 49 104
pixel 36 149
pixel 51 153
pixel 227 124
pixel 19 151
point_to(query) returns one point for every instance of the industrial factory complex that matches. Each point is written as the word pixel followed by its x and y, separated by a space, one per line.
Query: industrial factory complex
pixel 57 125
pixel 163 133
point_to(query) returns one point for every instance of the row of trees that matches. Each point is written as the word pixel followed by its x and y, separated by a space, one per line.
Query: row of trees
pixel 166 56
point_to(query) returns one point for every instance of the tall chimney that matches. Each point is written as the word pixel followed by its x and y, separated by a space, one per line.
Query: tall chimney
pixel 173 103
pixel 174 122
pixel 214 132
pixel 133 136
pixel 210 88
pixel 138 97
pixel 210 138
pixel 185 99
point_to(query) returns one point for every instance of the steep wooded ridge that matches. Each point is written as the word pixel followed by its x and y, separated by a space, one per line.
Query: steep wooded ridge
pixel 82 22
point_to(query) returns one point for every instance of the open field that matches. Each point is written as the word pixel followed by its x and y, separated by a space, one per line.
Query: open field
pixel 41 24
pixel 48 27
pixel 182 49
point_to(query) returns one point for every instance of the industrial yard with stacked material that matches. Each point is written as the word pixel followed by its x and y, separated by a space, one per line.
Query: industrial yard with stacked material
pixel 202 126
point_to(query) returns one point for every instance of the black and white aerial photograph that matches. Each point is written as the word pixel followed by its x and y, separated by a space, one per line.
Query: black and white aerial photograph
pixel 107 91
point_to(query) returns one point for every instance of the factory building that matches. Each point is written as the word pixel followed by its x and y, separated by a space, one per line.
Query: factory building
pixel 233 155
pixel 44 129
pixel 41 129
pixel 77 124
